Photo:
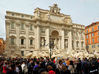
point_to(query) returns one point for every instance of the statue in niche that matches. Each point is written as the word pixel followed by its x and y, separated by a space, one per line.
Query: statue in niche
pixel 43 42
pixel 56 44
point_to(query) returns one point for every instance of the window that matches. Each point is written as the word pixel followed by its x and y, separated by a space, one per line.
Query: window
pixel 82 44
pixel 22 41
pixel 93 46
pixel 87 41
pixel 12 14
pixel 92 29
pixel 98 27
pixel 98 45
pixel 77 43
pixel 31 27
pixel 12 25
pixel 31 17
pixel 31 42
pixel 92 34
pixel 87 31
pixel 93 40
pixel 12 41
pixel 22 53
pixel 22 15
pixel 98 33
pixel 22 26
pixel 87 36
pixel 98 39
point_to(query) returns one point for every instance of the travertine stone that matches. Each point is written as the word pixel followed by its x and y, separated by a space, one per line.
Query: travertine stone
pixel 47 26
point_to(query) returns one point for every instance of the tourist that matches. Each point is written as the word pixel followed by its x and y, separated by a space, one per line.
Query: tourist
pixel 50 70
pixel 5 67
pixel 30 67
pixel 65 70
pixel 24 68
pixel 71 67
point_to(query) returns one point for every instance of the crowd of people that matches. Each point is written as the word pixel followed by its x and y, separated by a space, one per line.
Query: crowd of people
pixel 46 65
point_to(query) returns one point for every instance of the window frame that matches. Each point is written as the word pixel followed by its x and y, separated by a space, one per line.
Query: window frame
pixel 22 41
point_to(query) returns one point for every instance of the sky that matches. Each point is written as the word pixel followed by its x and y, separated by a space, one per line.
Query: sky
pixel 81 11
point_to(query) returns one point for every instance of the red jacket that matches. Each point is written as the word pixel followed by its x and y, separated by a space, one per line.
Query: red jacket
pixel 4 69
pixel 51 72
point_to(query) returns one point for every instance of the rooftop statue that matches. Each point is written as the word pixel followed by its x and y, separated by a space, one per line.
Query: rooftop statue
pixel 54 9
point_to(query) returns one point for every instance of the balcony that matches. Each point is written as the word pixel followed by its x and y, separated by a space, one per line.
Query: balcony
pixel 12 31
pixel 31 46
pixel 31 33
pixel 22 32
pixel 22 46
pixel 12 46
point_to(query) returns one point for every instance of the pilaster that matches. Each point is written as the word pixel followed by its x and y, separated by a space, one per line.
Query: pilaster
pixel 47 38
pixel 70 42
pixel 62 39
pixel 38 38
pixel 27 36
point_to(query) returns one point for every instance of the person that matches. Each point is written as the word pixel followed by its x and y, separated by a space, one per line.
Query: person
pixel 36 68
pixel 65 70
pixel 4 67
pixel 12 70
pixel 24 68
pixel 59 66
pixel 71 67
pixel 17 68
pixel 50 70
pixel 30 67
pixel 85 66
pixel 78 66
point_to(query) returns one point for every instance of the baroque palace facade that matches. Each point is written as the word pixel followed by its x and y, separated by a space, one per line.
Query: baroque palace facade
pixel 33 34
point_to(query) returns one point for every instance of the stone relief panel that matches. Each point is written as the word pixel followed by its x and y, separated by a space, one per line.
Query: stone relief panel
pixel 67 21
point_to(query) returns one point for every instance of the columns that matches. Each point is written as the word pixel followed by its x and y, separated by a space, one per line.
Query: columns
pixel 27 38
pixel 59 43
pixel 7 34
pixel 70 41
pixel 37 38
pixel 17 34
pixel 80 46
pixel 62 39
pixel 84 45
pixel 47 38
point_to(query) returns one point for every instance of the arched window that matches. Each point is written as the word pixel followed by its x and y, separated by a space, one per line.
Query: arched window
pixel 31 41
pixel 22 40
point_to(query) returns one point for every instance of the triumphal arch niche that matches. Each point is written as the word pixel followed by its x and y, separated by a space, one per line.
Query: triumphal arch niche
pixel 46 30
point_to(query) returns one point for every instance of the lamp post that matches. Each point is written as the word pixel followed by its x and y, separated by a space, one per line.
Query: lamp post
pixel 51 46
